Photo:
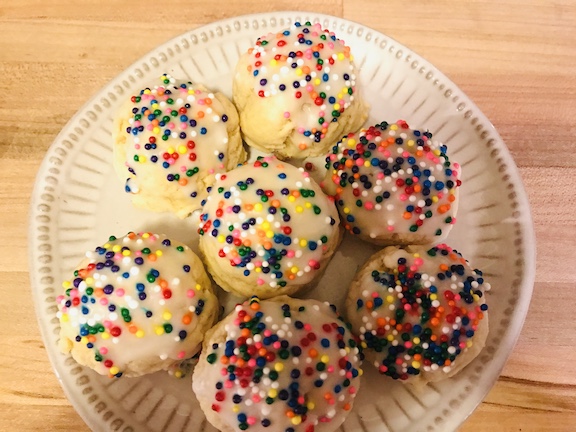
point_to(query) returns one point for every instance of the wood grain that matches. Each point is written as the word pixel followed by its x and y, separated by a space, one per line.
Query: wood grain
pixel 515 59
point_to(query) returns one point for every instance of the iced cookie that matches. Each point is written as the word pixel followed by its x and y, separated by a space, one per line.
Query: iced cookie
pixel 296 93
pixel 420 312
pixel 278 365
pixel 267 229
pixel 136 305
pixel 394 185
pixel 170 140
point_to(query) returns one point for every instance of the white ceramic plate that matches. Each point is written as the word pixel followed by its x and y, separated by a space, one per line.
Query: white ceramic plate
pixel 78 202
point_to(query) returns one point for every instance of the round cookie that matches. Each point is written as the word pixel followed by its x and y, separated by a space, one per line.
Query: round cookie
pixel 420 313
pixel 393 185
pixel 296 92
pixel 267 229
pixel 282 364
pixel 170 140
pixel 136 305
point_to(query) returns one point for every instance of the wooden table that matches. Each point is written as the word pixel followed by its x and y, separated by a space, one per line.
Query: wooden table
pixel 515 58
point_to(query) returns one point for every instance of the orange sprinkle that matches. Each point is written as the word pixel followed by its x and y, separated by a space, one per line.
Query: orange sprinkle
pixel 255 306
pixel 208 101
pixel 417 188
pixel 435 322
pixel 443 267
pixel 186 319
pixel 295 193
pixel 200 114
pixel 152 257
pixel 163 284
pixel 369 304
pixel 452 198
pixel 224 359
pixel 407 215
pixel 302 146
pixel 443 208
pixel 182 182
pixel 132 329
pixel 306 70
pixel 312 353
pixel 346 407
pixel 381 322
pixel 98 292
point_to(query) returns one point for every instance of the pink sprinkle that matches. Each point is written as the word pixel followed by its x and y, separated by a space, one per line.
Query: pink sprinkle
pixel 256 398
pixel 330 369
pixel 252 362
pixel 286 114
pixel 418 261
pixel 309 88
pixel 352 390
pixel 276 345
pixel 251 420
pixel 171 125
pixel 183 126
pixel 136 124
pixel 301 130
pixel 120 292
pixel 390 228
pixel 403 197
pixel 369 205
pixel 290 253
pixel 103 301
pixel 312 263
pixel 150 127
pixel 407 307
pixel 408 344
pixel 307 327
pixel 359 162
pixel 103 350
pixel 171 161
pixel 59 298
pixel 267 333
pixel 321 114
pixel 325 124
pixel 190 293
pixel 181 354
pixel 228 384
pixel 182 168
pixel 380 175
pixel 137 146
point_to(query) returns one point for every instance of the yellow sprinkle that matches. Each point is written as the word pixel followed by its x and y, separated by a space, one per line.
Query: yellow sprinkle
pixel 140 333
pixel 159 253
pixel 159 330
pixel 257 269
pixel 66 284
pixel 469 343
pixel 317 81
pixel 182 149
pixel 298 71
pixel 269 234
pixel 126 252
pixel 390 299
pixel 155 105
pixel 265 225
pixel 64 318
pixel 106 246
pixel 145 235
pixel 394 127
pixel 324 359
pixel 273 62
pixel 294 269
pixel 339 95
pixel 272 393
pixel 198 287
pixel 116 248
pixel 416 365
pixel 351 142
pixel 390 338
pixel 367 163
pixel 411 143
pixel 416 340
pixel 178 374
pixel 190 91
pixel 299 209
pixel 337 107
pixel 156 130
pixel 346 210
pixel 340 56
pixel 296 420
pixel 279 367
pixel 170 150
pixel 291 198
pixel 435 199
pixel 89 281
pixel 476 297
pixel 142 159
pixel 310 405
pixel 114 370
pixel 303 243
pixel 308 205
pixel 167 315
pixel 236 408
pixel 436 152
pixel 257 207
pixel 221 238
pixel 147 91
pixel 433 297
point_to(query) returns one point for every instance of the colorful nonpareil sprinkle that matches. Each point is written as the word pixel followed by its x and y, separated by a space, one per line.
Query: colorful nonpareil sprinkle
pixel 287 365
pixel 180 130
pixel 310 67
pixel 270 221
pixel 135 299
pixel 421 314
pixel 389 179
